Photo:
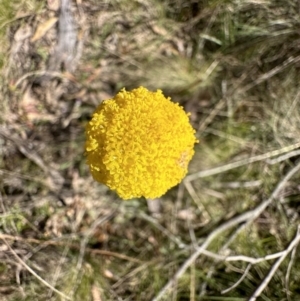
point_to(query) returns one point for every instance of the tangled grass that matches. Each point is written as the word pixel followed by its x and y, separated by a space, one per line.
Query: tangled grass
pixel 230 231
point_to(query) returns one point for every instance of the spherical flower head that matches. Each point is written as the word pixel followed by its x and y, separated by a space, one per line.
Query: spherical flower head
pixel 139 143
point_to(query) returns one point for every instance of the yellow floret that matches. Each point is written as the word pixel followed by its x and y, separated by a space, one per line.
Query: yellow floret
pixel 139 143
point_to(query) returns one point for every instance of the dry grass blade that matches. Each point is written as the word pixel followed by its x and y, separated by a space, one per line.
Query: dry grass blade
pixel 55 180
pixel 239 281
pixel 234 65
pixel 293 244
pixel 248 217
pixel 30 270
pixel 70 245
pixel 229 166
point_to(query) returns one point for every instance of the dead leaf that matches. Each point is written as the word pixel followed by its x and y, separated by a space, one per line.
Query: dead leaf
pixel 43 28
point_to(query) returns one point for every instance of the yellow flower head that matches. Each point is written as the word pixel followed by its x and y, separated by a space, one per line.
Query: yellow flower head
pixel 139 143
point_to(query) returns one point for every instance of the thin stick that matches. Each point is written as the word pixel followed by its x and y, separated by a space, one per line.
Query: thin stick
pixel 189 187
pixel 77 278
pixel 239 281
pixel 248 216
pixel 219 106
pixel 271 73
pixel 71 245
pixel 193 283
pixel 275 266
pixel 58 270
pixel 284 157
pixel 41 73
pixel 165 231
pixel 288 273
pixel 30 270
pixel 224 247
pixel 239 219
pixel 226 167
pixel 251 260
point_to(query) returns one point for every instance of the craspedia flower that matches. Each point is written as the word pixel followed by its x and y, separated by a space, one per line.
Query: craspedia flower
pixel 139 143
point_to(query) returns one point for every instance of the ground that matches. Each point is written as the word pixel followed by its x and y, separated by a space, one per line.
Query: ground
pixel 230 230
